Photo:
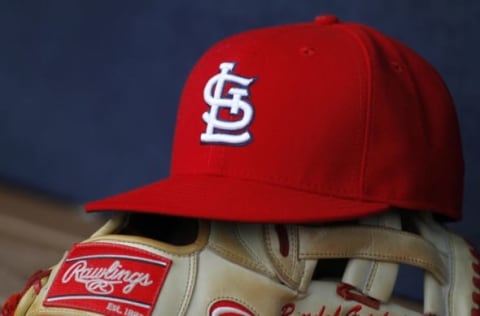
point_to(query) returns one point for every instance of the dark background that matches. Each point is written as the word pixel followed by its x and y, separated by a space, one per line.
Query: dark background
pixel 89 89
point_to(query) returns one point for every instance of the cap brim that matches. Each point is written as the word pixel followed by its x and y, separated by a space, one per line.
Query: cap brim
pixel 224 198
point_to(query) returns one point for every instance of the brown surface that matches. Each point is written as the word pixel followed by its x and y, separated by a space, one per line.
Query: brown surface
pixel 34 234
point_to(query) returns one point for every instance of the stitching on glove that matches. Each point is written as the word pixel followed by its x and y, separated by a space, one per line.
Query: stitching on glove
pixel 278 264
pixel 255 262
pixel 437 268
pixel 282 235
pixel 476 281
pixel 190 286
pixel 35 282
pixel 180 251
pixel 291 274
pixel 231 256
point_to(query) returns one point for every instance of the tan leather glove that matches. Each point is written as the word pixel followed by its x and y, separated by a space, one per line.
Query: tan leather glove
pixel 233 269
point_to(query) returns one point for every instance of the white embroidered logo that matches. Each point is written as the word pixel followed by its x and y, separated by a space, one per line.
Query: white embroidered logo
pixel 102 280
pixel 232 131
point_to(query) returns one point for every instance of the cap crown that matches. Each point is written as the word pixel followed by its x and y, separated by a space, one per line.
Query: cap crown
pixel 334 109
pixel 308 122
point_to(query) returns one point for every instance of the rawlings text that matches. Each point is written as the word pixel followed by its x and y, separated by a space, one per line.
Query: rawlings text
pixel 102 280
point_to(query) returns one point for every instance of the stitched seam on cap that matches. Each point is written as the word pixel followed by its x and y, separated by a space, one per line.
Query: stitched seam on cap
pixel 368 112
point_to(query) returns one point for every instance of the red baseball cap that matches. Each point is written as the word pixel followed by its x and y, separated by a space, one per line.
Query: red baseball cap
pixel 308 122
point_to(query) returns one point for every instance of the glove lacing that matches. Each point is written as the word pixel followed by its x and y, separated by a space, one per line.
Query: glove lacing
pixel 34 281
pixel 476 281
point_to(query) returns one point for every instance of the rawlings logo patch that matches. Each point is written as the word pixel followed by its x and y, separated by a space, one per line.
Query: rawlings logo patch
pixel 228 308
pixel 230 114
pixel 109 279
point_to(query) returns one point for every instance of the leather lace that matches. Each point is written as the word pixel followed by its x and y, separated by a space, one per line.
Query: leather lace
pixel 35 282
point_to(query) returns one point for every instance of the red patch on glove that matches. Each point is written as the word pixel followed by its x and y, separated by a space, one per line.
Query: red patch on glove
pixel 109 279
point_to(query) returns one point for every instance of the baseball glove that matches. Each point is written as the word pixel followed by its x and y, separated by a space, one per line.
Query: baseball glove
pixel 140 264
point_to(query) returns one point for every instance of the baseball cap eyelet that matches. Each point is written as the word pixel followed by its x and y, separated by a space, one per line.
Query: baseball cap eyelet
pixel 396 66
pixel 307 51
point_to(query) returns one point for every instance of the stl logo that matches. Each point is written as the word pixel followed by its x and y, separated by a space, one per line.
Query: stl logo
pixel 227 92
pixel 228 308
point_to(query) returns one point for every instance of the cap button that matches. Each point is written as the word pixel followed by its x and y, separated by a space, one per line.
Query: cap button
pixel 326 19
